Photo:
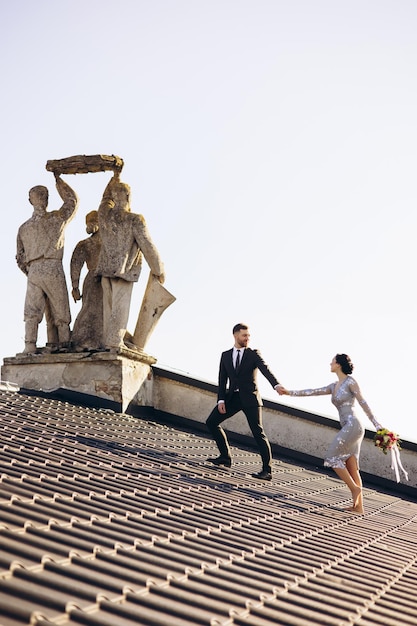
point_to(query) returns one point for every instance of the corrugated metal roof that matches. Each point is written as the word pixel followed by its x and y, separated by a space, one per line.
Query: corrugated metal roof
pixel 107 519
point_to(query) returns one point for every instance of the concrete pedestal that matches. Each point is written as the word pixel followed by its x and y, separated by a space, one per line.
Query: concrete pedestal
pixel 122 378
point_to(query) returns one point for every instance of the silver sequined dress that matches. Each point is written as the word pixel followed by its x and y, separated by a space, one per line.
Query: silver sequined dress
pixel 348 441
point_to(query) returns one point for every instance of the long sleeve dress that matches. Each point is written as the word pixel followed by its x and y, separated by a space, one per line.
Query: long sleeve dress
pixel 348 441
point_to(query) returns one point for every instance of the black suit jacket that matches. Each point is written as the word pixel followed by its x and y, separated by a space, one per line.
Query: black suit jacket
pixel 244 379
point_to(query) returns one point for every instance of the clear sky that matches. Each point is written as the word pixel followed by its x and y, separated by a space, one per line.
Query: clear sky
pixel 271 146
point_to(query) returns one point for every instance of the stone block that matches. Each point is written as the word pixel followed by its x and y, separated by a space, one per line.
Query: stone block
pixel 123 378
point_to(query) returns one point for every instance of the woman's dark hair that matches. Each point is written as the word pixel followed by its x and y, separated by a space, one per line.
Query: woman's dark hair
pixel 345 363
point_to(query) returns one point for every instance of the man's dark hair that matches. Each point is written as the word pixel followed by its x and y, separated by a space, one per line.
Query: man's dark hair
pixel 238 327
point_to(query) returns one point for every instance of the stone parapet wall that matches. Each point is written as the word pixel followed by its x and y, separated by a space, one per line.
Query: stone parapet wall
pixel 136 385
pixel 294 432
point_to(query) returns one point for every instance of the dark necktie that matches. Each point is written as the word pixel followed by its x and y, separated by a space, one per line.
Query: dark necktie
pixel 237 360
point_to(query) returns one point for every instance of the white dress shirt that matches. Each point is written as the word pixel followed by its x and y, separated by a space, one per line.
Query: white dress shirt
pixel 234 355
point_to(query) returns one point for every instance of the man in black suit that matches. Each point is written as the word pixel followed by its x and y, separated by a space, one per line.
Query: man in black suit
pixel 239 366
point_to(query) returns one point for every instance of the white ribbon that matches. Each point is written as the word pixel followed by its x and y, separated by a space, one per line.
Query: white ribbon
pixel 396 463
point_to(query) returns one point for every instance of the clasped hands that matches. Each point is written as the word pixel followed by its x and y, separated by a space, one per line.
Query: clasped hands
pixel 281 390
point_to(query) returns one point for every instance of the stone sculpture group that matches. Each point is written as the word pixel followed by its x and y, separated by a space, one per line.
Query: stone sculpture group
pixel 118 239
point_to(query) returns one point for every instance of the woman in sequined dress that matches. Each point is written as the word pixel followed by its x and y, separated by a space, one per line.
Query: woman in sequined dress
pixel 343 452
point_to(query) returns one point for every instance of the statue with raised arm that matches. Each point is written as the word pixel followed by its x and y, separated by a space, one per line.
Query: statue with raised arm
pixel 87 333
pixel 40 247
pixel 125 239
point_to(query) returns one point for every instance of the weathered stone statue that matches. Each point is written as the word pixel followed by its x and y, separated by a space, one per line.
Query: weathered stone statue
pixel 40 246
pixel 124 238
pixel 103 358
pixel 87 333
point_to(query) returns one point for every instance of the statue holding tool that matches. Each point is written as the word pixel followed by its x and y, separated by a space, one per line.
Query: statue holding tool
pixel 119 249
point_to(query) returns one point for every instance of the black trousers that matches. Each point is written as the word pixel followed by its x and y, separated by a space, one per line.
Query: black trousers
pixel 253 415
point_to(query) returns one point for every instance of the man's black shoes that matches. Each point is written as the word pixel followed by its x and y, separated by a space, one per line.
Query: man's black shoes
pixel 264 475
pixel 224 461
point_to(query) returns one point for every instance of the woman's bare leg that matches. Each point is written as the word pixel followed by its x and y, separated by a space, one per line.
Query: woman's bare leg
pixel 353 469
pixel 354 488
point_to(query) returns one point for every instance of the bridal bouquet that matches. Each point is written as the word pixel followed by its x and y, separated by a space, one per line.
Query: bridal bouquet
pixel 385 440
